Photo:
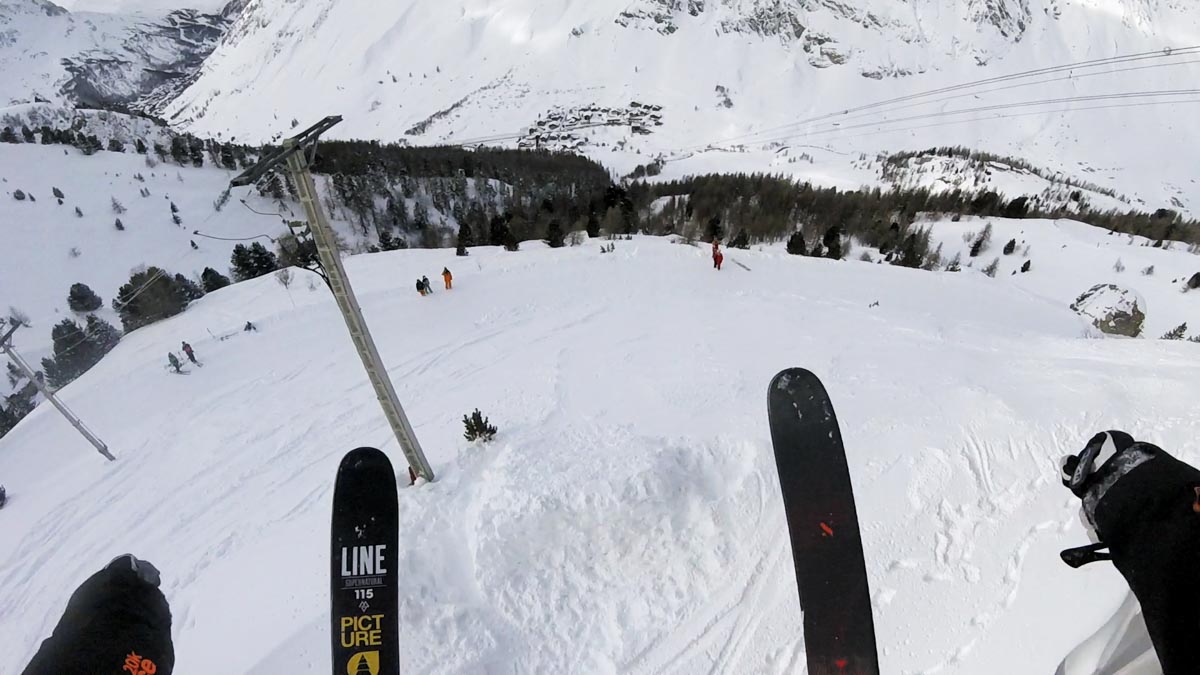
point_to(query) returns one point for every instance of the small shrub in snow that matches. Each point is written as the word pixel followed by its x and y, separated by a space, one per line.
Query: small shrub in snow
pixel 119 225
pixel 1194 282
pixel 18 195
pixel 176 219
pixel 117 207
pixel 81 298
pixel 74 252
pixel 991 269
pixel 866 257
pixel 1027 266
pixel 18 318
pixel 478 427
pixel 981 242
pixel 1118 266
pixel 955 264
pixel 58 194
pixel 1176 333
pixel 1010 247
pixel 284 277
pixel 213 280
pixel 795 244
pixel 78 212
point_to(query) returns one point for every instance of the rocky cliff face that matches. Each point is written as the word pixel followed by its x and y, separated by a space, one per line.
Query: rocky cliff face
pixel 133 61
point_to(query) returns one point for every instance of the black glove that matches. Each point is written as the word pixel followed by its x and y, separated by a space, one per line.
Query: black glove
pixel 1144 506
pixel 116 623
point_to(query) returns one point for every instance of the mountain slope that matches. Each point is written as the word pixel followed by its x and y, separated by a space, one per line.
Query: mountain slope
pixel 472 69
pixel 627 518
pixel 102 59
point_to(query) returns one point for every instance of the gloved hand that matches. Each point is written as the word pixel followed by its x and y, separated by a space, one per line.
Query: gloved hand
pixel 117 622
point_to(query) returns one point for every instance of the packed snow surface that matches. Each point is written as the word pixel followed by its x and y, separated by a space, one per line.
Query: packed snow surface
pixel 627 519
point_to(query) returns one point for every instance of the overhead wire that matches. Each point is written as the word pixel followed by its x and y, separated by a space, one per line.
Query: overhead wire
pixel 995 107
pixel 985 92
pixel 877 105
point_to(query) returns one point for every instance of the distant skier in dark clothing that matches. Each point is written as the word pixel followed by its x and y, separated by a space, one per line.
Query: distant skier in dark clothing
pixel 428 286
pixel 117 621
pixel 3 496
pixel 187 349
pixel 174 360
pixel 250 327
pixel 421 287
pixel 1143 505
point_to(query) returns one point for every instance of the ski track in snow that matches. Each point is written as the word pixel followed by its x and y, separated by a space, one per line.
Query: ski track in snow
pixel 628 518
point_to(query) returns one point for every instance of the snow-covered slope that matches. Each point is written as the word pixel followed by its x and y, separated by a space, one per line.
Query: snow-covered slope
pixel 627 519
pixel 50 247
pixel 721 69
pixel 100 59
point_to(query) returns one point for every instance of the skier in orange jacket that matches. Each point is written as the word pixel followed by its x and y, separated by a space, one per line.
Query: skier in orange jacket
pixel 448 277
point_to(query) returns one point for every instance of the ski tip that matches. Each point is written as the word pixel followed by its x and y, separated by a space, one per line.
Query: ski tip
pixel 366 458
pixel 786 380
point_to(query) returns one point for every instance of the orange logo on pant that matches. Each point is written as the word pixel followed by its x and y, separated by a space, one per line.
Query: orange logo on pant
pixel 137 665
pixel 363 663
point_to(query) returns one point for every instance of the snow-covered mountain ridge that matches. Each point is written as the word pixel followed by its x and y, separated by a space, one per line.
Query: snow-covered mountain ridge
pixel 104 60
pixel 731 74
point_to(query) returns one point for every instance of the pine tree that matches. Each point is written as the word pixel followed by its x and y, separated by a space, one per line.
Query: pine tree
pixel 465 239
pixel 150 295
pixel 140 146
pixel 174 209
pixel 795 244
pixel 478 427
pixel 78 212
pixel 81 298
pixel 593 225
pixel 302 253
pixel 554 235
pixel 498 231
pixel 1010 247
pixel 115 145
pixel 981 242
pixel 71 352
pixel 1027 266
pixel 714 229
pixel 1176 333
pixel 252 262
pixel 27 134
pixel 76 350
pixel 117 207
pixel 189 289
pixel 910 254
pixel 119 225
pixel 58 194
pixel 213 280
pixel 833 243
pixel 992 268
pixel 741 240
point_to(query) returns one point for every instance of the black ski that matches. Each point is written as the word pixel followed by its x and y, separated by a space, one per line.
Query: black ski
pixel 839 631
pixel 363 579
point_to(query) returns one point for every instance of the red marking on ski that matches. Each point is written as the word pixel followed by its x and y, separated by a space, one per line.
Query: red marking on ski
pixel 841 664
pixel 827 530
